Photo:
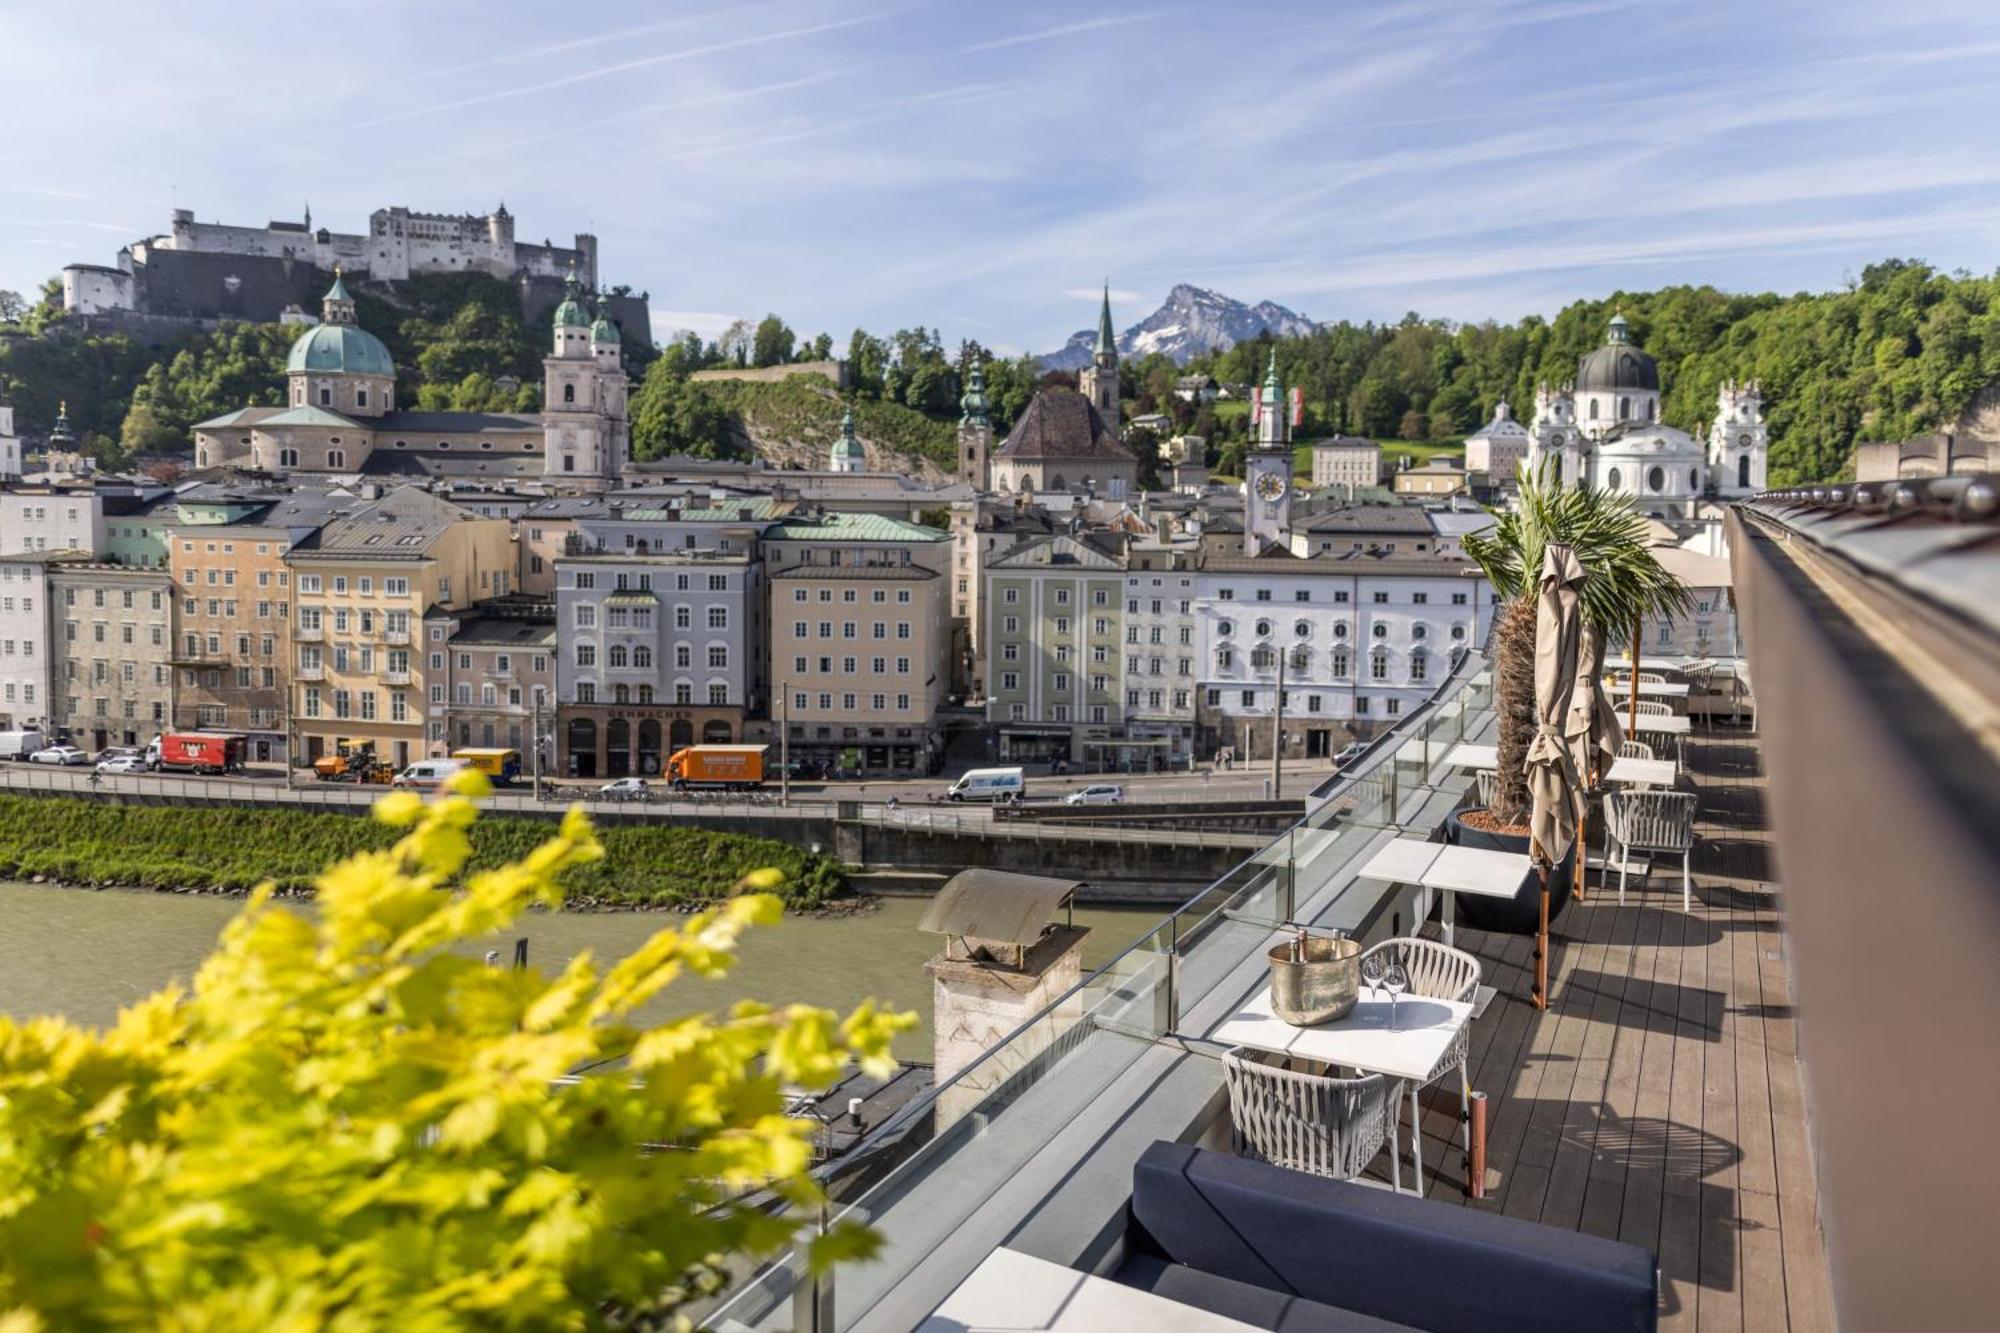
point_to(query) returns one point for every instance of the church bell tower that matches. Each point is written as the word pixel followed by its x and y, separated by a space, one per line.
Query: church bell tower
pixel 1267 469
pixel 975 432
pixel 1099 379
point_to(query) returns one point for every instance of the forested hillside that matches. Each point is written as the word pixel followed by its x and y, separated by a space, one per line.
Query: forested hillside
pixel 1899 352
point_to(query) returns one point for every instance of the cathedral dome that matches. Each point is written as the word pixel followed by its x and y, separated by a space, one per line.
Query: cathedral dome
pixel 571 314
pixel 604 331
pixel 340 349
pixel 1619 364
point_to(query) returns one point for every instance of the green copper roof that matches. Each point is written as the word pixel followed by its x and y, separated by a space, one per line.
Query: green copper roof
pixel 1620 331
pixel 337 292
pixel 571 314
pixel 603 330
pixel 1271 387
pixel 1107 339
pixel 852 528
pixel 847 446
pixel 340 349
pixel 309 416
pixel 973 404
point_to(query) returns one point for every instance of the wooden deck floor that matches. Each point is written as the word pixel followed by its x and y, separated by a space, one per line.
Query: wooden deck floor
pixel 1657 1099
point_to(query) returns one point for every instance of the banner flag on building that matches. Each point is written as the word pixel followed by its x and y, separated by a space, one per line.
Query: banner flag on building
pixel 1298 407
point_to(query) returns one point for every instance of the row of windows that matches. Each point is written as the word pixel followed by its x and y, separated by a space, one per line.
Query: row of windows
pixel 156 599
pixel 584 616
pixel 226 578
pixel 312 618
pixel 1314 703
pixel 226 608
pixel 364 584
pixel 101 672
pixel 129 708
pixel 878 596
pixel 586 579
pixel 802 702
pixel 586 693
pixel 1380 597
pixel 1057 713
pixel 1098 596
pixel 1301 659
pixel 640 658
pixel 852 630
pixel 1060 682
pixel 1303 630
pixel 877 666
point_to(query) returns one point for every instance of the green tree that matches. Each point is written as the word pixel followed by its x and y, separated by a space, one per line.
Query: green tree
pixel 12 307
pixel 1624 582
pixel 144 433
pixel 771 345
pixel 347 1120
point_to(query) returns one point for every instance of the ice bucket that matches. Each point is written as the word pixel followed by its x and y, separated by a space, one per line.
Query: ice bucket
pixel 1321 988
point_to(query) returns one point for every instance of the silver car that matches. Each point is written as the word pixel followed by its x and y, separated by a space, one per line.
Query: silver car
pixel 67 755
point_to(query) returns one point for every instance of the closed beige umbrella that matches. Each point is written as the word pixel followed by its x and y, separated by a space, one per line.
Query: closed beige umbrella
pixel 1591 729
pixel 1554 790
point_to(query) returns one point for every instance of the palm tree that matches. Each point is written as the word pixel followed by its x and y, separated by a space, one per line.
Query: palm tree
pixel 1623 582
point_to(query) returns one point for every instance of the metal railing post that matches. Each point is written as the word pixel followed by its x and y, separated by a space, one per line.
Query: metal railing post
pixel 812 1298
pixel 1174 972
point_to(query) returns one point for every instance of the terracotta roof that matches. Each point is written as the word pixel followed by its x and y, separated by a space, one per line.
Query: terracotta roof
pixel 1061 423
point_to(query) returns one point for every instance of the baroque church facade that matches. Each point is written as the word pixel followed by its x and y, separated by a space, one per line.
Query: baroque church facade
pixel 1603 430
pixel 340 416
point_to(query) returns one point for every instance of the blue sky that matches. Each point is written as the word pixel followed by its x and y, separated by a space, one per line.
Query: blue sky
pixel 982 168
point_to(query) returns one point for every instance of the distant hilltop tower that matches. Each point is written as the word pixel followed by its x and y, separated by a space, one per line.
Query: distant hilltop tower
pixel 975 431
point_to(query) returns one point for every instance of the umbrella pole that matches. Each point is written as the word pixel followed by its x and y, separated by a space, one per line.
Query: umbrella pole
pixel 1632 718
pixel 1542 946
pixel 1582 837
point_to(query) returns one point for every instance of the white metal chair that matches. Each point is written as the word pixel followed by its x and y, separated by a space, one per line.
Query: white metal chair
pixel 1317 1123
pixel 1438 972
pixel 1651 821
pixel 1652 708
pixel 1485 788
pixel 1635 750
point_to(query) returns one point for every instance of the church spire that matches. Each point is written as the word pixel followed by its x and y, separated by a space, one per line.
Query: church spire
pixel 1107 339
pixel 973 404
pixel 337 307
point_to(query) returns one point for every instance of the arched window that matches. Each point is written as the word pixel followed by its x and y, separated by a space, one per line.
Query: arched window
pixel 288 458
pixel 619 656
pixel 1056 483
pixel 642 656
pixel 645 697
pixel 621 694
pixel 583 747
pixel 1624 407
pixel 1301 658
pixel 1656 480
pixel 336 458
pixel 1378 665
pixel 1593 409
pixel 1743 472
pixel 1694 479
pixel 1420 664
pixel 1262 658
pixel 569 393
pixel 1652 409
pixel 1340 660
pixel 1613 480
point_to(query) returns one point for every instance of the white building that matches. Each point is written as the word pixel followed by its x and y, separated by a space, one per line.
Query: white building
pixel 1347 460
pixel 49 518
pixel 25 656
pixel 1364 638
pixel 10 444
pixel 1739 444
pixel 1604 430
pixel 1499 447
pixel 1160 654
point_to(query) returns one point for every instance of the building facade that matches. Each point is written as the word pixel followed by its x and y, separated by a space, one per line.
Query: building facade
pixel 1499 447
pixel 1055 644
pixel 377 594
pixel 658 649
pixel 52 518
pixel 861 641
pixel 1347 461
pixel 27 649
pixel 500 685
pixel 1160 654
pixel 1360 640
pixel 110 677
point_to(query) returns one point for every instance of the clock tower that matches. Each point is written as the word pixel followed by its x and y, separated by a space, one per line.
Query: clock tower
pixel 1267 469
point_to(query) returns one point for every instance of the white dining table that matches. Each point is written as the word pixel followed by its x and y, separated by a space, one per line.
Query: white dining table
pixel 1449 871
pixel 1659 689
pixel 1641 772
pixel 1013 1292
pixel 1676 725
pixel 1364 1040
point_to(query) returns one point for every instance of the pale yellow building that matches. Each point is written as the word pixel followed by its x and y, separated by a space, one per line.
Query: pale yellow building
pixel 861 640
pixel 377 595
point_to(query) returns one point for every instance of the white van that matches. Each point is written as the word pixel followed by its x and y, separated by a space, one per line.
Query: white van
pixel 988 784
pixel 21 744
pixel 428 772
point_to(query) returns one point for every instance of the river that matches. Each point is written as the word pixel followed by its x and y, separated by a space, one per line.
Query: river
pixel 85 954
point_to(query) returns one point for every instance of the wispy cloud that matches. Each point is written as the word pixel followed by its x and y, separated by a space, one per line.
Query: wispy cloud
pixel 548 49
pixel 1119 294
pixel 1060 30
pixel 626 67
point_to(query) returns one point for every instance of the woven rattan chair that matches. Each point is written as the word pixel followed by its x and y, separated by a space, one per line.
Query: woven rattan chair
pixel 1650 821
pixel 1315 1123
pixel 1437 972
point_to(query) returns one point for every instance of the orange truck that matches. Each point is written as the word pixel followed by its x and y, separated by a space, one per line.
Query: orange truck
pixel 717 766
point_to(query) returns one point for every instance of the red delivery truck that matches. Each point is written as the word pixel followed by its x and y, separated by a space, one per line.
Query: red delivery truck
pixel 196 752
pixel 717 766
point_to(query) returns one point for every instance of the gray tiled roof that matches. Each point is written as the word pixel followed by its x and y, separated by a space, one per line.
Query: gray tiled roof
pixel 1061 423
pixel 402 525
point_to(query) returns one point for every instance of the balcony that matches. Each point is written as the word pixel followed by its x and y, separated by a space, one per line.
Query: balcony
pixel 309 674
pixel 395 678
pixel 300 635
pixel 399 638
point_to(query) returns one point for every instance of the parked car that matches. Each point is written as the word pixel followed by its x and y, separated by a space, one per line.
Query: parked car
pixel 625 789
pixel 1350 752
pixel 1102 793
pixel 59 754
pixel 122 763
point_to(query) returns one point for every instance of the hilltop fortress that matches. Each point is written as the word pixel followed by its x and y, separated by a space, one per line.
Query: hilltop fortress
pixel 197 274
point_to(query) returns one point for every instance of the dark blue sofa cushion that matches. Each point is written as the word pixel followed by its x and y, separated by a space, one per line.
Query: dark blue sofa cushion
pixel 1258 1307
pixel 1432 1266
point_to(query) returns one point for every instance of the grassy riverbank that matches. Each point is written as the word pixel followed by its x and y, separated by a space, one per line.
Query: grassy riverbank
pixel 173 847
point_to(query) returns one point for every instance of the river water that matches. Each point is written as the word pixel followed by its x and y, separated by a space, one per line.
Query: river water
pixel 85 954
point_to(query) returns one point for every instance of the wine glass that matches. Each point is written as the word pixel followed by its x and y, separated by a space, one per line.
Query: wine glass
pixel 1372 968
pixel 1394 980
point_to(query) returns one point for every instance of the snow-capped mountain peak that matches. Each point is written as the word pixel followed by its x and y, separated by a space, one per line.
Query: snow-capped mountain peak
pixel 1191 321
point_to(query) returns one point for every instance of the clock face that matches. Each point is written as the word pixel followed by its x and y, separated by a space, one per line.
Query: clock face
pixel 1270 486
